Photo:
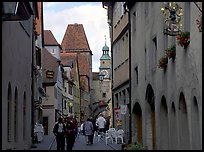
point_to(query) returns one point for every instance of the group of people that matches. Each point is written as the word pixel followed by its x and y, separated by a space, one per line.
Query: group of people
pixel 65 129
pixel 89 127
pixel 68 129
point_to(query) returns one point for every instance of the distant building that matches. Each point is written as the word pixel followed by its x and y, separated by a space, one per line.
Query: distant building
pixel 51 44
pixel 101 90
pixel 75 44
pixel 50 104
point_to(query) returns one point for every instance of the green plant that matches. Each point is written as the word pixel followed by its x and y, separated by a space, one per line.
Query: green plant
pixel 183 39
pixel 136 146
pixel 163 62
pixel 171 52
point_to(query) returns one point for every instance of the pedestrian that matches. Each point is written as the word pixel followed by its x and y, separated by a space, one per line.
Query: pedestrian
pixel 81 128
pixel 59 132
pixel 100 123
pixel 94 129
pixel 88 131
pixel 107 123
pixel 70 132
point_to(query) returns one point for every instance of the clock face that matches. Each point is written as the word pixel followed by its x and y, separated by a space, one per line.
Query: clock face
pixel 105 73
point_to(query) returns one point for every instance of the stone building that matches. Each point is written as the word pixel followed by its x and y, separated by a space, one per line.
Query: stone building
pixel 50 105
pixel 101 90
pixel 52 81
pixel 166 104
pixel 18 62
pixel 75 44
pixel 119 31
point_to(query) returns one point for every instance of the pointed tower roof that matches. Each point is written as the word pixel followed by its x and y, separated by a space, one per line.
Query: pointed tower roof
pixel 75 38
pixel 49 38
pixel 105 55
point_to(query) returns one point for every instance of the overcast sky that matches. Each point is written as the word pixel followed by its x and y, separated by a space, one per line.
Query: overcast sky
pixel 57 16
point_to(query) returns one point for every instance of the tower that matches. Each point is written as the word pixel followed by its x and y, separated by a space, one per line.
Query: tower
pixel 105 63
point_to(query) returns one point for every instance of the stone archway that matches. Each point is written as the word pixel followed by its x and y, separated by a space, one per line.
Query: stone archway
pixel 150 118
pixel 184 138
pixel 138 122
pixel 173 128
pixel 164 125
pixel 196 143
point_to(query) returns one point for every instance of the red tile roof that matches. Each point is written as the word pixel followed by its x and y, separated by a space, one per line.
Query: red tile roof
pixel 84 61
pixel 49 38
pixel 75 38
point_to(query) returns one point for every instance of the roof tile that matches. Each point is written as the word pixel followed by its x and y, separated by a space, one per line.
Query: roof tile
pixel 49 38
pixel 75 38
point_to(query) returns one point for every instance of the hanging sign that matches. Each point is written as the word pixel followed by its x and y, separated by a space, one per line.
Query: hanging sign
pixel 117 110
pixel 123 109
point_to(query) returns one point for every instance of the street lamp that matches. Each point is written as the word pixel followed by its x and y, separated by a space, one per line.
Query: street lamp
pixel 172 13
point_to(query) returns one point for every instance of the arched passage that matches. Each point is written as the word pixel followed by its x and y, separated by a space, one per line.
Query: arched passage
pixel 16 115
pixel 138 122
pixel 196 143
pixel 24 116
pixel 164 125
pixel 150 118
pixel 9 112
pixel 173 128
pixel 184 141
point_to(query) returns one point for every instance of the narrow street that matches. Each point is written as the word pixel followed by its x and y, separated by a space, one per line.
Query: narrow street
pixel 49 143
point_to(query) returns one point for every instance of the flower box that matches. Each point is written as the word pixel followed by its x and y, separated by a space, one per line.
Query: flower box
pixel 163 62
pixel 171 52
pixel 183 39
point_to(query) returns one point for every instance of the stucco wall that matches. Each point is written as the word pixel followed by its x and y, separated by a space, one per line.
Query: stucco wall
pixel 16 70
pixel 182 75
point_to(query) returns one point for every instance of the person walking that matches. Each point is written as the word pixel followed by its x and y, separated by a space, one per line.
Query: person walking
pixel 59 132
pixel 94 129
pixel 100 123
pixel 88 131
pixel 70 132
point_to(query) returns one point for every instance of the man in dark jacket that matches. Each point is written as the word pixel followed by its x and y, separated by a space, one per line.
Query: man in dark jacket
pixel 71 126
pixel 59 132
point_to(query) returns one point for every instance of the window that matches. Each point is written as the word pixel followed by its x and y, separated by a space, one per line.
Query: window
pixel 38 56
pixel 16 116
pixel 104 95
pixel 154 57
pixel 24 116
pixel 9 112
pixel 70 89
pixel 136 72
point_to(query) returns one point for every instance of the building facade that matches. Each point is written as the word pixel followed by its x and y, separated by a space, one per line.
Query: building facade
pixel 75 45
pixel 165 102
pixel 101 91
pixel 17 73
pixel 119 31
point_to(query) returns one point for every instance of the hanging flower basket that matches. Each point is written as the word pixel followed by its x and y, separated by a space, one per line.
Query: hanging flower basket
pixel 171 52
pixel 183 39
pixel 163 62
